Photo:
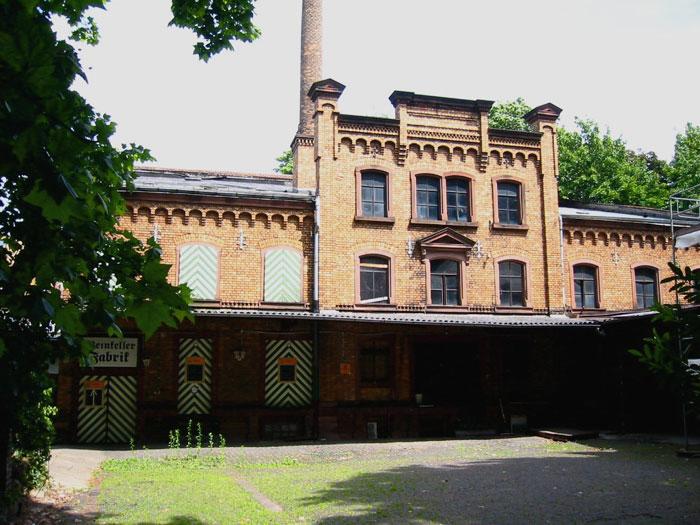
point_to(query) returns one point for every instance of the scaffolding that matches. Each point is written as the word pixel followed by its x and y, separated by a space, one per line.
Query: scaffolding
pixel 684 208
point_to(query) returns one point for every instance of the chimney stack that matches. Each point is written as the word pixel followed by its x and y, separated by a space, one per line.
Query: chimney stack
pixel 311 61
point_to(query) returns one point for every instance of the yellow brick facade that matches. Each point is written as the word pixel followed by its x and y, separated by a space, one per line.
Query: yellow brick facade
pixel 430 135
pixel 241 275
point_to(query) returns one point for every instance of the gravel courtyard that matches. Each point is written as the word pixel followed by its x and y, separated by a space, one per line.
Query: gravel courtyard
pixel 505 480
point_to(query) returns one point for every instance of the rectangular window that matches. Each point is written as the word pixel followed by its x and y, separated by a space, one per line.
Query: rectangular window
pixel 374 194
pixel 195 373
pixel 511 277
pixel 374 365
pixel 509 203
pixel 374 279
pixel 287 369
pixel 645 281
pixel 444 282
pixel 458 200
pixel 428 198
pixel 93 397
pixel 585 286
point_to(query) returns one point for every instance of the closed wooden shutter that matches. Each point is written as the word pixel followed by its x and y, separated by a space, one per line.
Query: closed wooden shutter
pixel 199 269
pixel 283 276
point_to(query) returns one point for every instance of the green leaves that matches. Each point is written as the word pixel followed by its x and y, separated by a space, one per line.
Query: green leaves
pixel 509 115
pixel 597 167
pixel 675 335
pixel 61 184
pixel 285 163
pixel 216 23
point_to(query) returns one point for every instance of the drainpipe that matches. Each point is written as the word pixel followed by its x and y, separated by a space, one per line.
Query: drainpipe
pixel 316 308
pixel 317 227
pixel 561 256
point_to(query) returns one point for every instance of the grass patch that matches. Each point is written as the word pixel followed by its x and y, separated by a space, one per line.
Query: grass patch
pixel 180 490
pixel 352 491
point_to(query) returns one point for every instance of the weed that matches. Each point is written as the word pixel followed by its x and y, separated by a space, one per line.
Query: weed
pixel 189 434
pixel 199 436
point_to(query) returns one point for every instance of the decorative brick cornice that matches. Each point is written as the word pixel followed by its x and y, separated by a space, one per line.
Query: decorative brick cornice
pixel 302 140
pixel 413 99
pixel 150 212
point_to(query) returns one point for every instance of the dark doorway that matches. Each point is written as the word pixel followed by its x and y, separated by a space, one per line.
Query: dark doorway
pixel 447 374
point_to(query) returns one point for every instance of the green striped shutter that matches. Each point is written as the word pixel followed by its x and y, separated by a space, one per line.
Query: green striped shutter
pixel 92 420
pixel 121 409
pixel 292 394
pixel 199 269
pixel 283 276
pixel 114 421
pixel 194 397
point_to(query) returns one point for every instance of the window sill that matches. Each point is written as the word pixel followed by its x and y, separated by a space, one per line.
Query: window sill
pixel 587 310
pixel 462 224
pixel 513 227
pixel 446 308
pixel 284 306
pixel 430 222
pixel 205 302
pixel 513 309
pixel 370 307
pixel 383 220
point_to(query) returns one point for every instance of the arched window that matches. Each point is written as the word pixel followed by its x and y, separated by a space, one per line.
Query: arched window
pixel 374 194
pixel 199 269
pixel 374 279
pixel 509 203
pixel 458 200
pixel 646 285
pixel 585 286
pixel 428 197
pixel 444 282
pixel 283 275
pixel 511 283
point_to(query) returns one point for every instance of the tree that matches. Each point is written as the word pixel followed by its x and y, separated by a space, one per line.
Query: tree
pixel 285 163
pixel 66 266
pixel 596 167
pixel 675 336
pixel 685 165
pixel 509 115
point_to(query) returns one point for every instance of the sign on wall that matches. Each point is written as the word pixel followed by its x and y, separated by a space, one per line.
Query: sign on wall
pixel 112 352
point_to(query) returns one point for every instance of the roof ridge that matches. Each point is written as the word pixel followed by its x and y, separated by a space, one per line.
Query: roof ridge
pixel 211 173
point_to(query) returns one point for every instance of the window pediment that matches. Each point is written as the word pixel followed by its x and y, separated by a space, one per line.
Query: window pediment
pixel 446 242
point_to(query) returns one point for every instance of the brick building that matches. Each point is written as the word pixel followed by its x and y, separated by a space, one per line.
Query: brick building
pixel 415 276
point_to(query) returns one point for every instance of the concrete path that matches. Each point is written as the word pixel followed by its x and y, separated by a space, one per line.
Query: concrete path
pixel 72 468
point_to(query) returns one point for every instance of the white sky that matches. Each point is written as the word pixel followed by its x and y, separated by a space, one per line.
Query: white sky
pixel 631 65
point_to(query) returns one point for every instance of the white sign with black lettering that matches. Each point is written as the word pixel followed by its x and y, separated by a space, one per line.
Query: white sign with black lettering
pixel 112 352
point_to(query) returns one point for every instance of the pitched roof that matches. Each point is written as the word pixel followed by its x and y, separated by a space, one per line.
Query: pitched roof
pixel 574 210
pixel 218 183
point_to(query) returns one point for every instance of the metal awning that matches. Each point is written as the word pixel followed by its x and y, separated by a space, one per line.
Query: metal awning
pixel 688 237
pixel 405 318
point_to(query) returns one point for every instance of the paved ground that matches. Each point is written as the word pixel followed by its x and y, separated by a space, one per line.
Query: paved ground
pixel 514 480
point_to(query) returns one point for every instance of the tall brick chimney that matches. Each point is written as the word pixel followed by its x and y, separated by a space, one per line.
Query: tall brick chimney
pixel 311 61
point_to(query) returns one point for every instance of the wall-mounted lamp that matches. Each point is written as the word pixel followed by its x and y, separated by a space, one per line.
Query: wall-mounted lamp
pixel 239 355
pixel 146 362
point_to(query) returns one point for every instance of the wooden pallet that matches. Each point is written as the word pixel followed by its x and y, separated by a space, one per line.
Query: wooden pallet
pixel 566 434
